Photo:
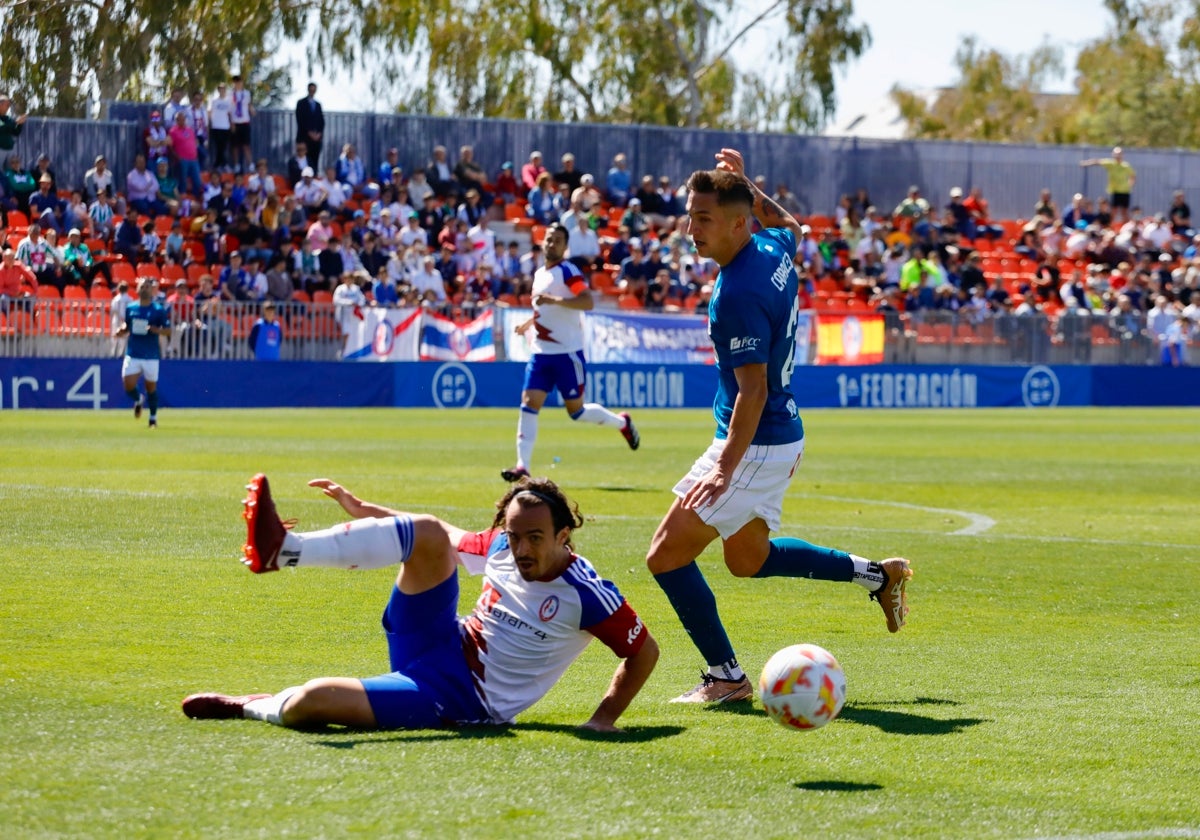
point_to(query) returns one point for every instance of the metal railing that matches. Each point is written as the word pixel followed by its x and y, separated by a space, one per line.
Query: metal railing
pixel 40 328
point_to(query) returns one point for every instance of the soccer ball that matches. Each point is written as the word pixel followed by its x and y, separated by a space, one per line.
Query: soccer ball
pixel 802 687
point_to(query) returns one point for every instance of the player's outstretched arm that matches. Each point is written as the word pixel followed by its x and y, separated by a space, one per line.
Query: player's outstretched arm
pixel 359 509
pixel 628 680
pixel 766 209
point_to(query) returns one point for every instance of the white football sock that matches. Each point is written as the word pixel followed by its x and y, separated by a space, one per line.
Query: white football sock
pixel 730 670
pixel 358 544
pixel 527 428
pixel 601 416
pixel 868 575
pixel 270 708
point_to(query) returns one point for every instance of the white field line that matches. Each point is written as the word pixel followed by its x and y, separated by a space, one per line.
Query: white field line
pixel 1148 834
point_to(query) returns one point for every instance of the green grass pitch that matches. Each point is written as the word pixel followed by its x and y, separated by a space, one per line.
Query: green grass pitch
pixel 1047 685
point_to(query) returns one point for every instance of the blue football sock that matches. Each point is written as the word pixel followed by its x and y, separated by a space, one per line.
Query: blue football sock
pixel 133 394
pixel 152 401
pixel 696 606
pixel 790 557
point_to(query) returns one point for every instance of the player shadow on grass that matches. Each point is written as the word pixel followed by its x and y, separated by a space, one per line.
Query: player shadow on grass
pixel 353 737
pixel 841 787
pixel 907 723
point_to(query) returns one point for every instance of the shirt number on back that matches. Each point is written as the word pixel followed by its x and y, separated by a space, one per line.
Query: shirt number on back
pixel 785 374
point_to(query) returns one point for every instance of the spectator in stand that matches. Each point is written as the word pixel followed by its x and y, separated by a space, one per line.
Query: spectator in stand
pixel 958 216
pixel 383 175
pixel 972 273
pixel 173 106
pixel 532 260
pixel 310 126
pixel 1158 233
pixel 243 111
pixel 101 214
pixel 583 246
pixel 540 201
pixel 447 265
pixel 335 192
pixel 636 271
pixel 261 184
pixel 155 141
pixel 471 210
pixel 569 175
pixel 1045 205
pixel 350 170
pixel 786 199
pixel 432 218
pixel 471 176
pixel 634 219
pixel 429 282
pixel 531 170
pixel 266 336
pixel 977 206
pixel 98 179
pixel 1181 215
pixel 224 206
pixel 372 257
pixel 310 194
pixel 297 163
pixel 168 201
pixel 197 117
pixel 440 175
pixel 419 190
pixel 141 187
pixel 13 276
pixel 19 183
pixel 45 198
pixel 413 233
pixel 1121 178
pixel 913 215
pixel 10 126
pixel 651 201
pixel 34 252
pixel 185 147
pixel 617 182
pixel 43 168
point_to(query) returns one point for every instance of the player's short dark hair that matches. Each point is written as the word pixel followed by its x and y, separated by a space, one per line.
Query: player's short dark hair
pixel 728 187
pixel 553 226
pixel 530 492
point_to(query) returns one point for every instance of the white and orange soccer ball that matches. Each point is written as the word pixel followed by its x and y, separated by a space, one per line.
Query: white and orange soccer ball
pixel 802 687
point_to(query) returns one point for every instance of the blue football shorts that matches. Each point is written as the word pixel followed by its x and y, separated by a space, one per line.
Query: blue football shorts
pixel 566 372
pixel 430 686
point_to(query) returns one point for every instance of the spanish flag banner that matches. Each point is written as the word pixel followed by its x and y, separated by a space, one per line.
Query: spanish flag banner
pixel 850 339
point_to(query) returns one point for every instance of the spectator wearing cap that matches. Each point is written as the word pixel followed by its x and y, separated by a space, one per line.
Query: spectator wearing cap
pixel 959 217
pixel 912 214
pixel 531 170
pixel 79 265
pixel 183 306
pixel 506 183
pixel 1121 178
pixel 586 197
pixel 412 233
pixel 45 198
pixel 635 219
pixel 569 175
pixel 10 126
pixel 155 141
pixel 98 179
pixel 309 193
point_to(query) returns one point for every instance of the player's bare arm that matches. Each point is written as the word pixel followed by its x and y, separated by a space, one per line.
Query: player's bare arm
pixel 359 509
pixel 747 411
pixel 522 327
pixel 628 680
pixel 766 209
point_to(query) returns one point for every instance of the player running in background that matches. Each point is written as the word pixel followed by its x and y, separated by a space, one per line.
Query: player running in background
pixel 540 606
pixel 735 489
pixel 560 296
pixel 145 322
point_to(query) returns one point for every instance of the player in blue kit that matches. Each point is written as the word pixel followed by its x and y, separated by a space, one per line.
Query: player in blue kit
pixel 735 489
pixel 560 297
pixel 145 322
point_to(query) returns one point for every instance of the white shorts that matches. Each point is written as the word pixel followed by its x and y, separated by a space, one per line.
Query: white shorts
pixel 756 490
pixel 147 368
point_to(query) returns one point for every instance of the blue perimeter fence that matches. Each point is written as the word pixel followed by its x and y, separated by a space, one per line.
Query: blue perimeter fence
pixel 92 384
pixel 817 169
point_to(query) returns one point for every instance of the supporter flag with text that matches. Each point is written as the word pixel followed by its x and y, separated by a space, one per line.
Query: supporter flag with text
pixel 442 339
pixel 850 339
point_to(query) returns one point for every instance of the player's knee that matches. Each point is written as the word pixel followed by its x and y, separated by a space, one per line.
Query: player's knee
pixel 429 533
pixel 743 563
pixel 305 705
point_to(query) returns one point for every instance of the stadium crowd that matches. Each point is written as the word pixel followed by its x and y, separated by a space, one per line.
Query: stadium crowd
pixel 195 211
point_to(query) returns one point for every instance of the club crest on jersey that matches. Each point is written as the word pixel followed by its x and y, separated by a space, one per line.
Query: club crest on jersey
pixel 741 345
pixel 549 608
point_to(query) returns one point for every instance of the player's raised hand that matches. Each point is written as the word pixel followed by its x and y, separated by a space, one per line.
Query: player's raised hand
pixel 730 160
pixel 349 502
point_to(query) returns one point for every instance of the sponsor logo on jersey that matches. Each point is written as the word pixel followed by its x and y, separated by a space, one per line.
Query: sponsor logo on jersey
pixel 741 345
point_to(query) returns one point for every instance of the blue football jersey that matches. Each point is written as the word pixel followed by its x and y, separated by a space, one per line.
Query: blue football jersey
pixel 752 320
pixel 142 343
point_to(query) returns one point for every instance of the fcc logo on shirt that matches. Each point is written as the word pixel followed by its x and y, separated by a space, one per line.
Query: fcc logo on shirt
pixel 742 345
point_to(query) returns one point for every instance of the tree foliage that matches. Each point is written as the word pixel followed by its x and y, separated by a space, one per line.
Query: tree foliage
pixel 1136 85
pixel 675 62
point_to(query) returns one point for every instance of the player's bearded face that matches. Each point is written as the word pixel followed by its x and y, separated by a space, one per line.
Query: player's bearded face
pixel 538 551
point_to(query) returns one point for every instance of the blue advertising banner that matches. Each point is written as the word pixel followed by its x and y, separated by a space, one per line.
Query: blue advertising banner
pixel 91 384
